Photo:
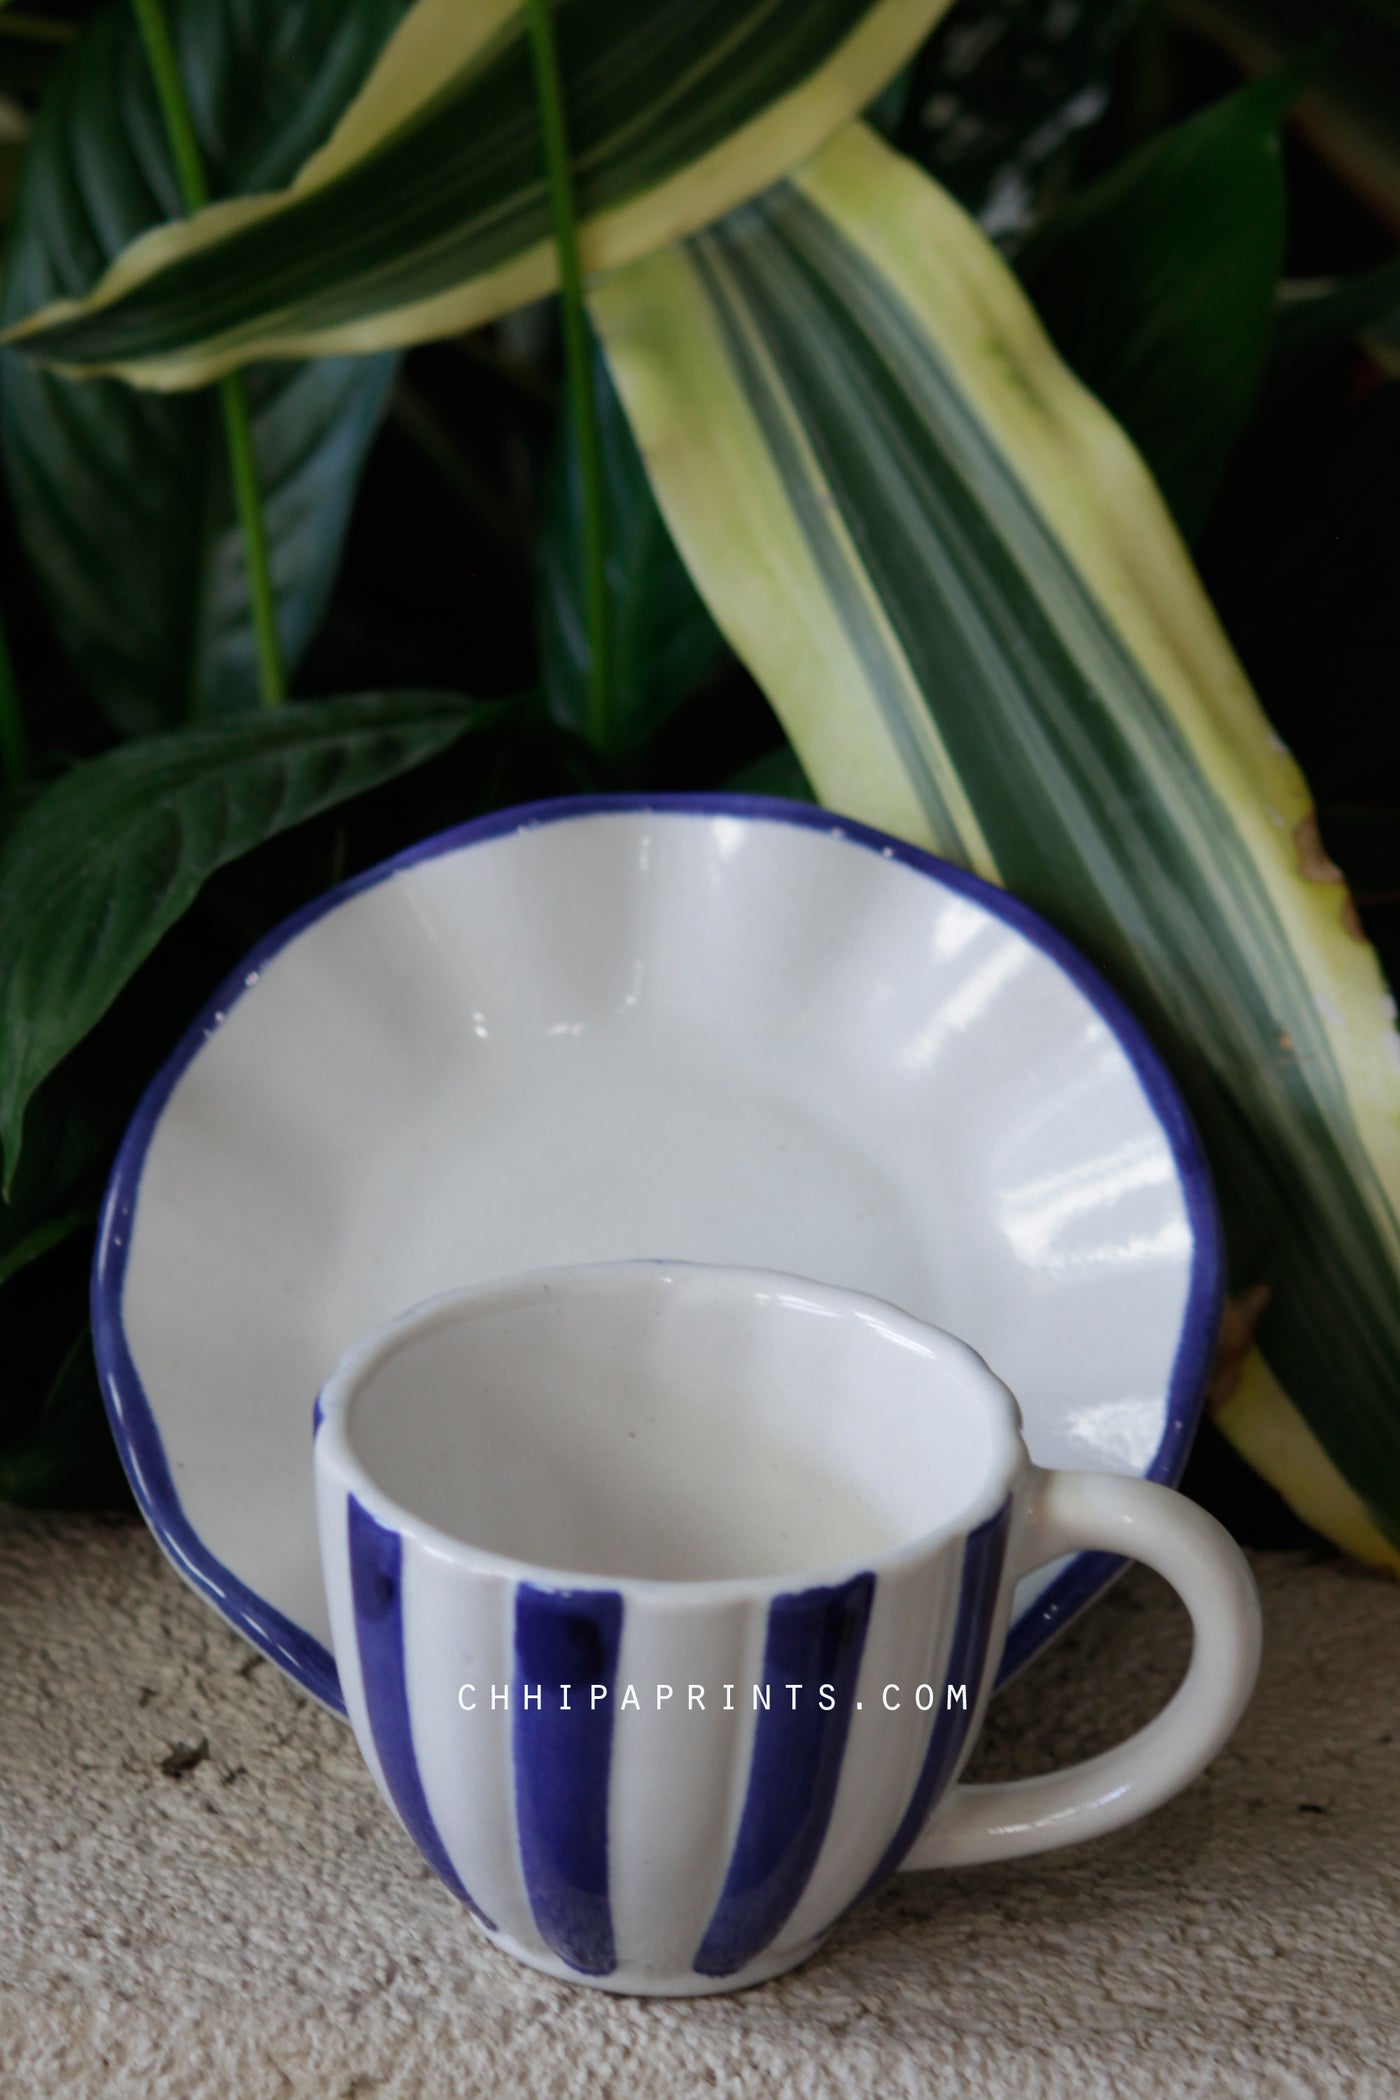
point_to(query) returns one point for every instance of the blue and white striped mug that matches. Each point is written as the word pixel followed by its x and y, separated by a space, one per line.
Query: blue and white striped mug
pixel 667 1600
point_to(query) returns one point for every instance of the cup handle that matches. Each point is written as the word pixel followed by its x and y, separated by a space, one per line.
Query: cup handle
pixel 1069 1511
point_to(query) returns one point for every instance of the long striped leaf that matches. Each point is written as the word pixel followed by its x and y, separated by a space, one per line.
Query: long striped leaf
pixel 964 596
pixel 426 212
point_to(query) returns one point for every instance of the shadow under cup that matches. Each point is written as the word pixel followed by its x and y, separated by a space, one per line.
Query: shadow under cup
pixel 665 1600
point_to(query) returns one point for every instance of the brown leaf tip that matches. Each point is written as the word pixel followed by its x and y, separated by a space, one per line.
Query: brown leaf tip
pixel 1315 864
pixel 1238 1324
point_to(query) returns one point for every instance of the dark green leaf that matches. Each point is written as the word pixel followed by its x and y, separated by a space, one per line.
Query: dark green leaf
pixel 41 1240
pixel 67 1459
pixel 1158 285
pixel 1001 90
pixel 104 862
pixel 1351 111
pixel 886 112
pixel 69 1134
pixel 664 644
pixel 778 772
pixel 123 499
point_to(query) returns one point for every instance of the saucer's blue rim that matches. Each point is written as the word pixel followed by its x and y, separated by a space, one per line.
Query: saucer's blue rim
pixel 129 1411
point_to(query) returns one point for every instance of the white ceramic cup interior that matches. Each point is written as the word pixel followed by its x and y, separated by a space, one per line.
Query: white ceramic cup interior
pixel 649 1430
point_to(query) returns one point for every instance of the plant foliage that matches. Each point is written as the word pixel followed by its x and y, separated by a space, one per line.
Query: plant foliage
pixel 832 468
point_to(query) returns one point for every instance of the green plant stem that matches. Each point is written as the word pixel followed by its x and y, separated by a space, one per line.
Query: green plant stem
pixel 578 364
pixel 244 467
pixel 14 750
pixel 189 170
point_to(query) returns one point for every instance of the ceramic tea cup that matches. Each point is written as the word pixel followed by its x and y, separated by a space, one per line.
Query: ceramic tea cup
pixel 667 1600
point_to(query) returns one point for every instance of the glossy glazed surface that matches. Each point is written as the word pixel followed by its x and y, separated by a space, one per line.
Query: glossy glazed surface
pixel 713 1030
pixel 653 1712
pixel 652 1758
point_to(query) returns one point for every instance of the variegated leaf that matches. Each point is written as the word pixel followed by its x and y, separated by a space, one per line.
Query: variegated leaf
pixel 427 210
pixel 960 589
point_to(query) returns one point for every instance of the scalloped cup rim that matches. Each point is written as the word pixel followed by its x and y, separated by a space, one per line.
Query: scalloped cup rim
pixel 370 1352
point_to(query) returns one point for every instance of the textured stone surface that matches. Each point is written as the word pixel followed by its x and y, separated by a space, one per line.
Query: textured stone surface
pixel 256 1926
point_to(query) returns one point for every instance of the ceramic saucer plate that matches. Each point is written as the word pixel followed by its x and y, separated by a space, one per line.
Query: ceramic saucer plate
pixel 713 1028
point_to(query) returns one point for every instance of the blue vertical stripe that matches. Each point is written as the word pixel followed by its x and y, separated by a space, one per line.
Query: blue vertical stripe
pixel 376 1581
pixel 815 1637
pixel 563 1760
pixel 983 1559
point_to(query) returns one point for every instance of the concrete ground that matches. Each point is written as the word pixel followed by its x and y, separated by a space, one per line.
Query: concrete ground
pixel 201 1897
